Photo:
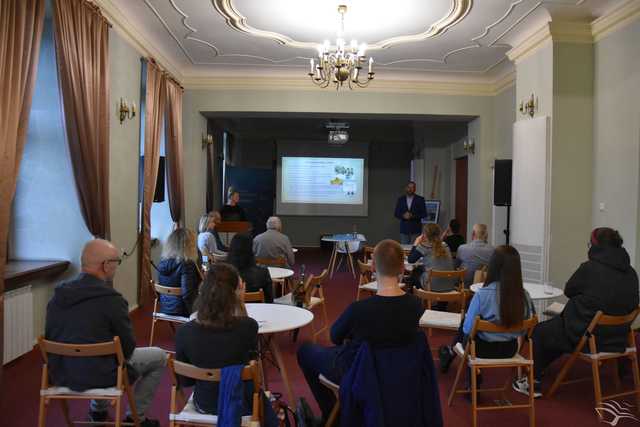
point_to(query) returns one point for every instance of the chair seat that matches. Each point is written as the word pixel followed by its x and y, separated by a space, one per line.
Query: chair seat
pixel 170 317
pixel 63 391
pixel 554 309
pixel 607 355
pixel 288 300
pixel 478 361
pixel 440 320
pixel 190 415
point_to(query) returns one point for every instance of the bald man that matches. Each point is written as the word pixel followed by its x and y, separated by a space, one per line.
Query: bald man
pixel 475 254
pixel 87 310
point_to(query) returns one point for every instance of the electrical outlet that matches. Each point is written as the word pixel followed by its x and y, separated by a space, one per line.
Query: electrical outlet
pixel 602 207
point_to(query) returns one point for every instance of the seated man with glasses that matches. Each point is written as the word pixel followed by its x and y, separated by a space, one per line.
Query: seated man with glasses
pixel 87 310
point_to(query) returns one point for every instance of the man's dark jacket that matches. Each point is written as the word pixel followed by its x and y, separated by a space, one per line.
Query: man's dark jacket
pixel 87 311
pixel 418 211
pixel 606 282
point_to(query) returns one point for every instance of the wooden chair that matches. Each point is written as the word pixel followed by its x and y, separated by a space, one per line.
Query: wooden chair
pixel 596 358
pixel 113 394
pixel 257 296
pixel 434 319
pixel 188 415
pixel 457 275
pixel 335 389
pixel 366 276
pixel 480 275
pixel 158 316
pixel 468 358
pixel 313 297
pixel 285 284
pixel 367 253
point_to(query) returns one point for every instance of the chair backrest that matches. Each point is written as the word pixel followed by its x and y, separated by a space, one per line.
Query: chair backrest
pixel 233 227
pixel 430 297
pixel 367 253
pixel 249 373
pixel 480 275
pixel 601 319
pixel 366 272
pixel 486 326
pixel 315 285
pixel 167 290
pixel 257 296
pixel 272 262
pixel 457 275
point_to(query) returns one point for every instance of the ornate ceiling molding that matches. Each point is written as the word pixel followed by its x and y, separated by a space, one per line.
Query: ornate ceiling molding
pixel 616 19
pixel 237 21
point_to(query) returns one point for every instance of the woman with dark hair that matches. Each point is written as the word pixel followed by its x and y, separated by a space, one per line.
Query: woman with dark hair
pixel 452 236
pixel 501 300
pixel 241 257
pixel 432 253
pixel 221 335
pixel 606 282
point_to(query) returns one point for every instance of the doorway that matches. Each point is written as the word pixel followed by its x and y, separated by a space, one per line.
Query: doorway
pixel 462 173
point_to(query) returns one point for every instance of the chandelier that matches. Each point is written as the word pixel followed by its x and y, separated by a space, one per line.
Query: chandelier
pixel 342 65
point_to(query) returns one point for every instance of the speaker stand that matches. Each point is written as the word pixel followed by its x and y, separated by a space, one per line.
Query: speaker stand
pixel 507 231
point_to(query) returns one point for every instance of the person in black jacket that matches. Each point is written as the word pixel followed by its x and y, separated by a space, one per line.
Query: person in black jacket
pixel 388 319
pixel 178 269
pixel 241 257
pixel 88 310
pixel 410 209
pixel 606 282
pixel 232 211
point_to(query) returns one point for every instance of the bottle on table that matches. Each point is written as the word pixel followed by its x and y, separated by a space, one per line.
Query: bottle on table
pixel 298 290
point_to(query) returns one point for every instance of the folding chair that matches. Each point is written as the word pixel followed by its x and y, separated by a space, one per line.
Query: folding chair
pixel 335 389
pixel 113 394
pixel 596 358
pixel 281 262
pixel 313 297
pixel 158 316
pixel 366 276
pixel 480 275
pixel 468 358
pixel 435 319
pixel 188 415
pixel 257 296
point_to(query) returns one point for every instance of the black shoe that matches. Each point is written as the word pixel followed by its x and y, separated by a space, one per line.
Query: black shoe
pixel 98 416
pixel 446 357
pixel 521 385
pixel 148 422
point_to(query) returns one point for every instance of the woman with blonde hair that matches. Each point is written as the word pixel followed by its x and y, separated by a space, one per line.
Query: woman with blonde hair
pixel 178 269
pixel 207 241
pixel 432 253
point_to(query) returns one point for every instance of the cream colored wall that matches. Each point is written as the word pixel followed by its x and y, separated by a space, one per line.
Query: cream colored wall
pixel 124 74
pixel 571 158
pixel 363 101
pixel 616 129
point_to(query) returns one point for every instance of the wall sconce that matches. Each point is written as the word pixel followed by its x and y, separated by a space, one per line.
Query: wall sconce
pixel 469 146
pixel 530 107
pixel 206 140
pixel 126 111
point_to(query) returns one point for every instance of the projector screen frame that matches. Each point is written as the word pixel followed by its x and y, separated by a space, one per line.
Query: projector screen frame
pixel 316 148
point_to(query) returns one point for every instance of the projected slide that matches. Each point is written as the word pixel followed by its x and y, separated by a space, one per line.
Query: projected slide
pixel 322 180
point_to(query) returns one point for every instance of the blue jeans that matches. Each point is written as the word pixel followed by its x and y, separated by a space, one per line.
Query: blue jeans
pixel 314 360
pixel 408 239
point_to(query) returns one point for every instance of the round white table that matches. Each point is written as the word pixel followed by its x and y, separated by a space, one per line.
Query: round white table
pixel 295 250
pixel 278 273
pixel 537 293
pixel 345 239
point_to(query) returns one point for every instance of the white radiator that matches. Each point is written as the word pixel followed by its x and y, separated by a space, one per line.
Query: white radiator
pixel 18 323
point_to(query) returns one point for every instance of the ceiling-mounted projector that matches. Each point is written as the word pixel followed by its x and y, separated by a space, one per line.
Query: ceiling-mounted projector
pixel 338 132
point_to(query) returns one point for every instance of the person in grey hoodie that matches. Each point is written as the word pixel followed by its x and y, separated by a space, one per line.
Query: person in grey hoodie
pixel 433 254
pixel 88 310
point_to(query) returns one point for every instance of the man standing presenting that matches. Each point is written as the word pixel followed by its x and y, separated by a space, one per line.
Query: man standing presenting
pixel 410 210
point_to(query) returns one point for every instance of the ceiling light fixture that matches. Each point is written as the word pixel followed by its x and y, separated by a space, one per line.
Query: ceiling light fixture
pixel 341 65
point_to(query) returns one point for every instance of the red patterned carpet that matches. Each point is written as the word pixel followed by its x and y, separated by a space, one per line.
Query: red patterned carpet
pixel 572 406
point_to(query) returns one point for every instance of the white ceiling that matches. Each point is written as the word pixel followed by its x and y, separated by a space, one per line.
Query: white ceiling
pixel 196 37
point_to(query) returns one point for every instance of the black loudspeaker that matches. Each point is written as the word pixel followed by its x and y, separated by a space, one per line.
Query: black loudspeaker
pixel 502 183
pixel 158 196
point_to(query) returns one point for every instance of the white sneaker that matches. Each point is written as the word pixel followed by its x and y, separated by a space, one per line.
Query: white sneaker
pixel 521 385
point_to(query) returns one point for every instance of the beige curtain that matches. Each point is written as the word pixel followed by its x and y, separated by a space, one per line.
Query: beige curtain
pixel 154 113
pixel 21 23
pixel 173 149
pixel 82 47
